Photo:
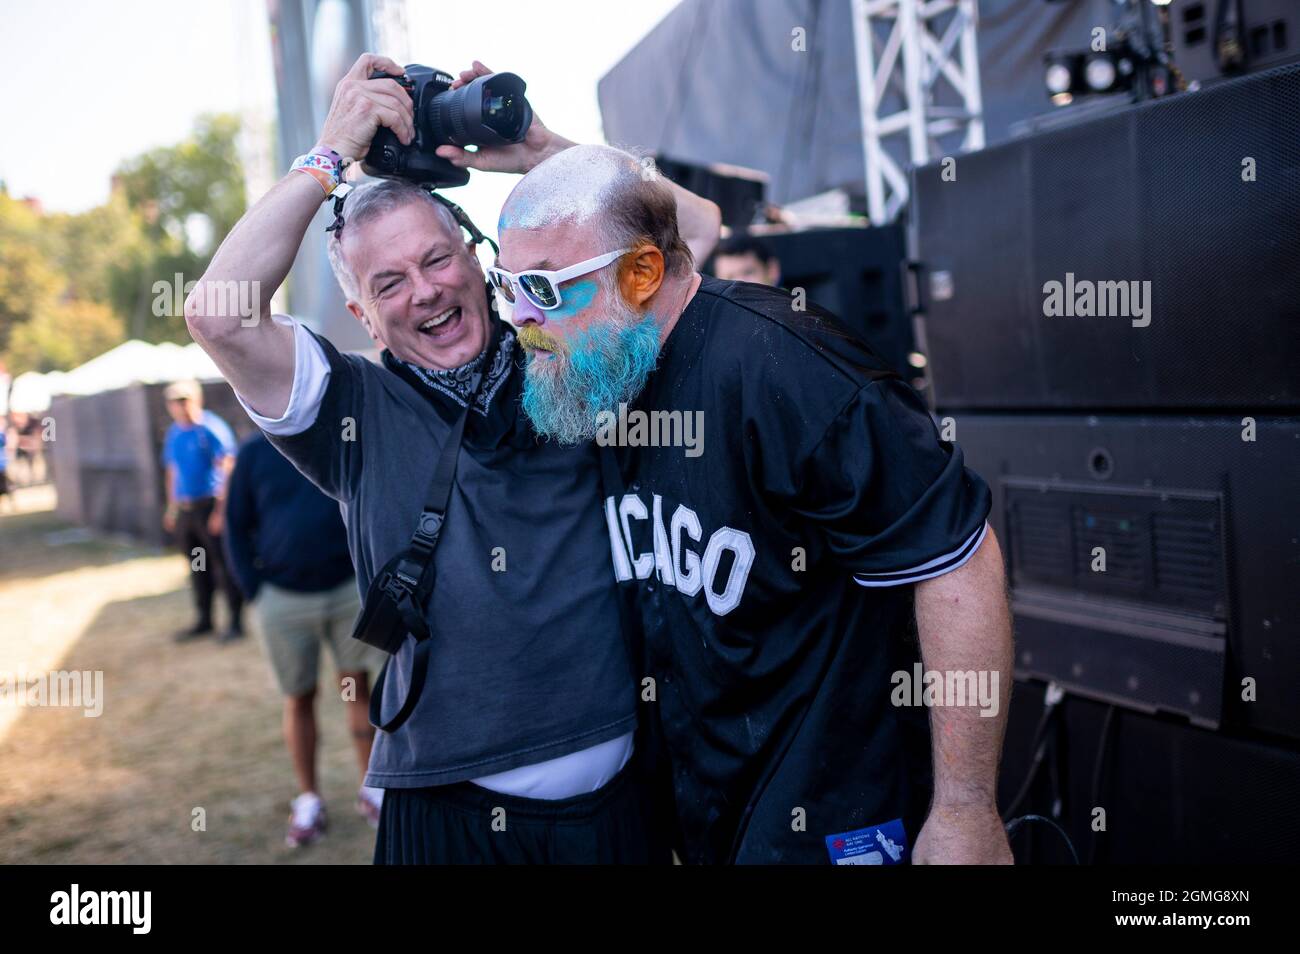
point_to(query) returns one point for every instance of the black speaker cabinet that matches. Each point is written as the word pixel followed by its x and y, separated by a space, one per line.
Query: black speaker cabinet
pixel 858 275
pixel 1154 561
pixel 1187 206
pixel 1172 793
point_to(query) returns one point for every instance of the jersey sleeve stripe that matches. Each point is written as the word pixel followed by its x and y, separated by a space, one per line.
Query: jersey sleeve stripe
pixel 925 571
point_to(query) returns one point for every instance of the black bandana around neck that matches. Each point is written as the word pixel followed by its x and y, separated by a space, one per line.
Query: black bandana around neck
pixel 457 383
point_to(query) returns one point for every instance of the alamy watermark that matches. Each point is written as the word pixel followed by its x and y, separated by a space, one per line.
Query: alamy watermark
pixel 1083 298
pixel 130 908
pixel 955 688
pixel 651 429
pixel 59 689
pixel 229 299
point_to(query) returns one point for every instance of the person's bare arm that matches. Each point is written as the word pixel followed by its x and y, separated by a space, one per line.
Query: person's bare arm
pixel 964 625
pixel 698 219
pixel 217 519
pixel 254 353
pixel 169 515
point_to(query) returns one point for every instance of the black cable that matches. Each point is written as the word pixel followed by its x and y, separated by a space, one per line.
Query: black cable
pixel 1056 770
pixel 1039 747
pixel 1015 825
pixel 1229 53
pixel 1098 766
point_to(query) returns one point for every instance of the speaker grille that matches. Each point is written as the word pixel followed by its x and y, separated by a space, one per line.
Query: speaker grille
pixel 1192 201
pixel 1157 548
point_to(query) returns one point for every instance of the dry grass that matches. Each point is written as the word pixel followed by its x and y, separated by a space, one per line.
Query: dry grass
pixel 183 726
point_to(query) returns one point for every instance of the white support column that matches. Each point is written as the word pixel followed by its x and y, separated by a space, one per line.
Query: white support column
pixel 924 59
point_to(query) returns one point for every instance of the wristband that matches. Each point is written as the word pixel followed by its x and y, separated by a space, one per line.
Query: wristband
pixel 324 168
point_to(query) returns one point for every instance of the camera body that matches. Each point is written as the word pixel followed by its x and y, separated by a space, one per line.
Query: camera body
pixel 489 111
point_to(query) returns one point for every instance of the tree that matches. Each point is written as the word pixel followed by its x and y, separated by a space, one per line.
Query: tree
pixel 186 197
pixel 64 335
pixel 29 282
pixel 98 268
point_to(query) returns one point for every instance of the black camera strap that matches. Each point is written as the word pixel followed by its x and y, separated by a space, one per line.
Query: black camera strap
pixel 410 583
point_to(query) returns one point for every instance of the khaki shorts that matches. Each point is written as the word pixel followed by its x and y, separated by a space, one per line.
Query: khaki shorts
pixel 292 626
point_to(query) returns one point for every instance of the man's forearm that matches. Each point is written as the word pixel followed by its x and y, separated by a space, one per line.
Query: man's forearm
pixel 263 244
pixel 254 353
pixel 226 465
pixel 699 221
pixel 965 626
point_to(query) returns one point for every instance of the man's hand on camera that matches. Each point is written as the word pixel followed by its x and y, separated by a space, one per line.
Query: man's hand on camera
pixel 539 142
pixel 361 105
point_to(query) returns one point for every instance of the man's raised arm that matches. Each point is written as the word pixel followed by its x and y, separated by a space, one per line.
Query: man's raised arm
pixel 254 353
pixel 698 219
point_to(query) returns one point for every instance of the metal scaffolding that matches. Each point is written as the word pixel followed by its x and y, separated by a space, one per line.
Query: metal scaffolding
pixel 925 43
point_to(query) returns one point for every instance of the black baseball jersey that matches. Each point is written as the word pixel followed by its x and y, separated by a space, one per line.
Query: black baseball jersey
pixel 770 556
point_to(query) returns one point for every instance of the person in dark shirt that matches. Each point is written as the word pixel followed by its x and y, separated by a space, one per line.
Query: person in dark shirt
pixel 198 452
pixel 781 508
pixel 288 549
pixel 519 745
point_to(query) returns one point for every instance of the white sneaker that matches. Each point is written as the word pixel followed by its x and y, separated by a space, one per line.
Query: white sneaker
pixel 369 802
pixel 307 821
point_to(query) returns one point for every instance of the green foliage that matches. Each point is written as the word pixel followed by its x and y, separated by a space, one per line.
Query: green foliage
pixel 29 281
pixel 72 286
pixel 63 336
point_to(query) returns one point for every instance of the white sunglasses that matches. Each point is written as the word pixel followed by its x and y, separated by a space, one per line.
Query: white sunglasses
pixel 541 287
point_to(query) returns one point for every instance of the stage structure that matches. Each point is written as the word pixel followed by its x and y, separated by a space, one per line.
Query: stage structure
pixel 314 42
pixel 925 44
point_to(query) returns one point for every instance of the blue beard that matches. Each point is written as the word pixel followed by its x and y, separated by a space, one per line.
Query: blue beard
pixel 607 364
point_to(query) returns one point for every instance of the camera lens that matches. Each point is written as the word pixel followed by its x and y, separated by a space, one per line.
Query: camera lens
pixel 499 114
pixel 490 111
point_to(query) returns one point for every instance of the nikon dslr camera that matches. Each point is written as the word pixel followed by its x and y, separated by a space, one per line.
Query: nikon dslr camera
pixel 490 111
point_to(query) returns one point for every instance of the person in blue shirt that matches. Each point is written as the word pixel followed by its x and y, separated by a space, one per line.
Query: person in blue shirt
pixel 198 454
pixel 287 547
pixel 4 465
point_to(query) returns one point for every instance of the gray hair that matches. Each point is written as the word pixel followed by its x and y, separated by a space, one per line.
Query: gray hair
pixel 369 200
pixel 627 199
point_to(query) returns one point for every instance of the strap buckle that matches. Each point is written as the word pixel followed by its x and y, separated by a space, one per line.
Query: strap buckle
pixel 401 582
pixel 427 532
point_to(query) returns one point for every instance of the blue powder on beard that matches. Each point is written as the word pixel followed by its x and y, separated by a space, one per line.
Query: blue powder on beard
pixel 607 364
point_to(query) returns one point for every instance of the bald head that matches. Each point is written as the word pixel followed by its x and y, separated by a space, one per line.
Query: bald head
pixel 610 190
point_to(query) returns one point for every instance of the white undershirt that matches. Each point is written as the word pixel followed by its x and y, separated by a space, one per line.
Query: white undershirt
pixel 577 773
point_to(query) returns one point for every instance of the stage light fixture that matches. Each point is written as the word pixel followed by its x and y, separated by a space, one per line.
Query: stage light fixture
pixel 1100 72
pixel 1060 78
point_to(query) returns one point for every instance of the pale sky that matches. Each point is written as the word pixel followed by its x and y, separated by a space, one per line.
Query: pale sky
pixel 89 83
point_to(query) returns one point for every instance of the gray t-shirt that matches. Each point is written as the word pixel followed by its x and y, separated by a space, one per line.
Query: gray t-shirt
pixel 529 662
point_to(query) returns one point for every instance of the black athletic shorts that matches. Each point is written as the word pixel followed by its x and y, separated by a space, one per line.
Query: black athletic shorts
pixel 467 824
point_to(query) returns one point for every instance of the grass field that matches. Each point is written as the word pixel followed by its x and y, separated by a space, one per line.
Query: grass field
pixel 183 727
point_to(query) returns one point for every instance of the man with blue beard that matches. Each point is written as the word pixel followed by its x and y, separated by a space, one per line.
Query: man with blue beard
pixel 606 362
pixel 776 574
pixel 519 742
